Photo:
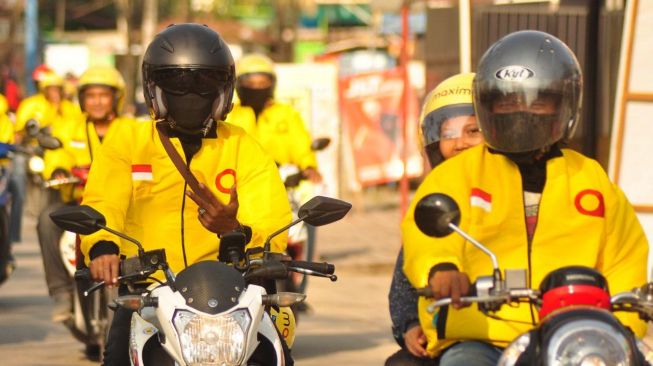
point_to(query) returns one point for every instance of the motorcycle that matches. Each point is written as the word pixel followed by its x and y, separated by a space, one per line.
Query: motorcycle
pixel 577 325
pixel 212 312
pixel 7 263
pixel 91 315
pixel 7 151
pixel 301 237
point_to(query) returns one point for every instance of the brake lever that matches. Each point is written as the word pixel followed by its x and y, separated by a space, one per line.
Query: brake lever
pixel 125 278
pixel 332 277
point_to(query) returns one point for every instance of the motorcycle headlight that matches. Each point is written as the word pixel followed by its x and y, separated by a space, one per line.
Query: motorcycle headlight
pixel 588 343
pixel 511 354
pixel 212 340
pixel 36 164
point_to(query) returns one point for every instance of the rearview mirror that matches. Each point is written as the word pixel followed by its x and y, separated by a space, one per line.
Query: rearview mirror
pixel 48 142
pixel 434 213
pixel 79 219
pixel 321 210
pixel 320 143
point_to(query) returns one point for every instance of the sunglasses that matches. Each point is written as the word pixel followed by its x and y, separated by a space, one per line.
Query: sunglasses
pixel 196 81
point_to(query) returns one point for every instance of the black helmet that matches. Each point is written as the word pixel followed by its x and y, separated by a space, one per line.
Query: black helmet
pixel 527 92
pixel 188 77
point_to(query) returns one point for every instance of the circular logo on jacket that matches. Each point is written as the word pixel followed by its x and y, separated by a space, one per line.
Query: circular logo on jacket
pixel 590 202
pixel 225 180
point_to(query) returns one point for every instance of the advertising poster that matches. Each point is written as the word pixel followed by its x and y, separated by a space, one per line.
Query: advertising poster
pixel 371 106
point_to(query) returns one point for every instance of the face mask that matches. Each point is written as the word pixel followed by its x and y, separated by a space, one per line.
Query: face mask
pixel 189 111
pixel 255 98
pixel 522 131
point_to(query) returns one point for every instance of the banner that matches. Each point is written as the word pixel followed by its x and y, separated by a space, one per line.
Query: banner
pixel 371 106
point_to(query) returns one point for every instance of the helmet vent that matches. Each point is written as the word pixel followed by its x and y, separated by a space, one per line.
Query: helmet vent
pixel 167 46
pixel 217 45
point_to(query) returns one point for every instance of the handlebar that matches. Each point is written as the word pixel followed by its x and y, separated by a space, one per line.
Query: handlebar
pixel 60 181
pixel 325 268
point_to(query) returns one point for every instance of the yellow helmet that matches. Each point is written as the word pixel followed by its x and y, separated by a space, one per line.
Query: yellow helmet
pixel 451 98
pixel 255 63
pixel 103 76
pixel 50 78
pixel 284 319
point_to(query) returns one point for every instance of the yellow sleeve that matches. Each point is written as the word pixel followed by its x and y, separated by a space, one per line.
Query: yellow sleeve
pixel 27 110
pixel 422 252
pixel 109 186
pixel 623 260
pixel 301 152
pixel 263 203
pixel 6 127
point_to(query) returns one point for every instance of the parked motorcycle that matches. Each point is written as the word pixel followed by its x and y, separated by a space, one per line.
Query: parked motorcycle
pixel 301 237
pixel 91 316
pixel 212 312
pixel 577 325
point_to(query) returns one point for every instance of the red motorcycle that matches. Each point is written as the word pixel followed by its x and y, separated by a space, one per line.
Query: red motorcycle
pixel 577 325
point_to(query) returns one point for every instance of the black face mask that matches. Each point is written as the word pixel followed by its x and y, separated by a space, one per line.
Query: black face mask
pixel 254 98
pixel 190 111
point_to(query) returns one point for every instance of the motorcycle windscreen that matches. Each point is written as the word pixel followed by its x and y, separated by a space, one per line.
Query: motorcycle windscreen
pixel 210 286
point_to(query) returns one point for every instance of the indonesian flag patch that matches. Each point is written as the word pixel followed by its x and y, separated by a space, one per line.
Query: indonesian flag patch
pixel 480 198
pixel 141 172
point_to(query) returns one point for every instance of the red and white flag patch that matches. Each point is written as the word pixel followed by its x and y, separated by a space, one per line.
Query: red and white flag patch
pixel 480 198
pixel 141 172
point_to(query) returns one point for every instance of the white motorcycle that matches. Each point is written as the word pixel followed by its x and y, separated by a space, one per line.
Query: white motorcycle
pixel 212 312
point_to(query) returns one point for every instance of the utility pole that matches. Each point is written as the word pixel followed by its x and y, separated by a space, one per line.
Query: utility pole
pixel 31 42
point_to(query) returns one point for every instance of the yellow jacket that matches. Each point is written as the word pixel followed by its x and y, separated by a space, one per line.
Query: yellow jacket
pixel 280 130
pixel 80 143
pixel 39 108
pixel 583 219
pixel 6 127
pixel 135 185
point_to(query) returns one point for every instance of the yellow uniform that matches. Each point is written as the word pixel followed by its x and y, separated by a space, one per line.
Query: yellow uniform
pixel 583 219
pixel 135 185
pixel 37 107
pixel 6 127
pixel 280 130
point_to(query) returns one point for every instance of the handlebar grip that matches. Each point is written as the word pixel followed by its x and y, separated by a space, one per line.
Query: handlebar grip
pixel 83 274
pixel 324 267
pixel 424 292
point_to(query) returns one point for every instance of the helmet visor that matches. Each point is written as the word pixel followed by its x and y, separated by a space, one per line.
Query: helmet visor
pixel 432 122
pixel 182 81
pixel 523 121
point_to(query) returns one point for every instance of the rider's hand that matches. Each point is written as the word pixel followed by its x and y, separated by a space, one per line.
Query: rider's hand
pixel 215 216
pixel 60 173
pixel 105 268
pixel 415 341
pixel 312 175
pixel 450 283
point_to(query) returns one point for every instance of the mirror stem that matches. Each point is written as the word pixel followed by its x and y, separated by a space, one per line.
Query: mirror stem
pixel 119 234
pixel 480 246
pixel 266 246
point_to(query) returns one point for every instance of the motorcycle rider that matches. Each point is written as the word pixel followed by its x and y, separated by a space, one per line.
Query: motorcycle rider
pixel 7 261
pixel 534 203
pixel 49 110
pixel 447 127
pixel 136 183
pixel 278 127
pixel 101 96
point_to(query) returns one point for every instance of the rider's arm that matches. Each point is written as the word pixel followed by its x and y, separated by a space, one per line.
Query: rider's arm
pixel 421 252
pixel 623 260
pixel 263 203
pixel 301 152
pixel 109 187
pixel 402 299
